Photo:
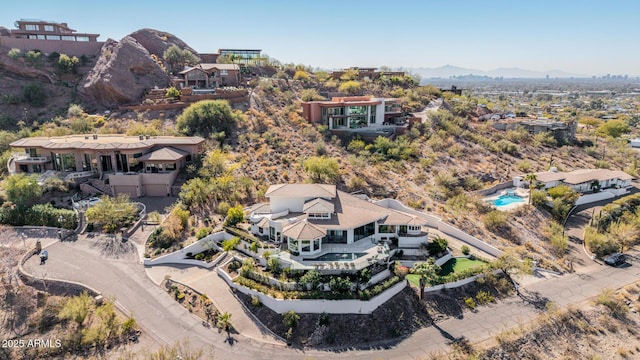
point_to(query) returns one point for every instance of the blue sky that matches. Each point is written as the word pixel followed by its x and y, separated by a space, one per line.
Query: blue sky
pixel 584 37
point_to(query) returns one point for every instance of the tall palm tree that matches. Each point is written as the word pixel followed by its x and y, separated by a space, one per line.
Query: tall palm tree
pixel 224 323
pixel 531 178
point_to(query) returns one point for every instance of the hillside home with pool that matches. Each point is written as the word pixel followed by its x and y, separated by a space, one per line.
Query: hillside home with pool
pixel 317 222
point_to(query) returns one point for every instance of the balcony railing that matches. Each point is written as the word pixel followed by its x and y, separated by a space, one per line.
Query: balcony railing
pixel 22 157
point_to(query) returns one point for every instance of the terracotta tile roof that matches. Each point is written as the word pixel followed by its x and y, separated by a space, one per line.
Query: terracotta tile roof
pixel 303 230
pixel 318 205
pixel 299 190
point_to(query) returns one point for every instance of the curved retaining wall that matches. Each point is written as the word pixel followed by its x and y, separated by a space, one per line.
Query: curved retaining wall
pixel 179 257
pixel 318 306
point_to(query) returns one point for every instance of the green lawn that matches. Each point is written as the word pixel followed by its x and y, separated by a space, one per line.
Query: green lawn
pixel 460 264
pixel 455 264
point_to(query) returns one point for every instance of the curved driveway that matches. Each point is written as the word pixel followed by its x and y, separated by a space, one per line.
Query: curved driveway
pixel 164 321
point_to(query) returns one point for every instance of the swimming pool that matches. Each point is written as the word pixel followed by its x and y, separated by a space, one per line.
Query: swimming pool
pixel 338 257
pixel 505 200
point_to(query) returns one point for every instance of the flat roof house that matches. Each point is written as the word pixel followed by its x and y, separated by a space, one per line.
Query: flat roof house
pixel 314 218
pixel 48 30
pixel 243 56
pixel 134 165
pixel 367 73
pixel 354 112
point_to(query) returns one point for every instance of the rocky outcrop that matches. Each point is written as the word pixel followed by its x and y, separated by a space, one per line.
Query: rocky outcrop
pixel 156 41
pixel 121 74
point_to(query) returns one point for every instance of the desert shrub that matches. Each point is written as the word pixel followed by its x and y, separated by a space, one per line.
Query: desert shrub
pixel 538 198
pixel 228 245
pixel 172 92
pixel 350 87
pixel 67 64
pixel 484 297
pixel 465 250
pixel 322 169
pixel 203 233
pixel 301 75
pixel 235 215
pixel 470 303
pixel 599 244
pixel 207 117
pixel 524 165
pixel 15 53
pixel 33 57
pixel 471 183
pixel 310 95
pixel 495 220
pixel 255 301
pixel 34 94
pixel 507 147
pixel 616 306
pixel 437 246
pixel 545 138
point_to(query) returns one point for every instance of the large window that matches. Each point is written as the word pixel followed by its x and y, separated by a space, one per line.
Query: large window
pixel 31 27
pixel 53 37
pixel 364 231
pixel 68 38
pixel 336 237
pixel 387 229
pixel 318 215
pixel 82 38
pixel 356 122
pixel 306 247
pixel 48 28
pixel 357 110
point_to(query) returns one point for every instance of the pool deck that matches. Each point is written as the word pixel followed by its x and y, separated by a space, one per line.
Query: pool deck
pixel 373 253
pixel 523 193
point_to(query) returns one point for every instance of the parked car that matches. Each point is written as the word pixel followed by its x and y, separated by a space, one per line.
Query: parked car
pixel 614 259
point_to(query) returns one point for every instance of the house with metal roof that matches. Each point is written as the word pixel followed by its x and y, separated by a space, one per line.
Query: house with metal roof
pixel 135 165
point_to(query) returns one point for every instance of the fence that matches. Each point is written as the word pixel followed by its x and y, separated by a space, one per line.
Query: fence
pixel 495 188
pixel 350 306
pixel 437 223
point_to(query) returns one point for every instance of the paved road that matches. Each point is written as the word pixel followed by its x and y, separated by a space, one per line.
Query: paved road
pixel 164 321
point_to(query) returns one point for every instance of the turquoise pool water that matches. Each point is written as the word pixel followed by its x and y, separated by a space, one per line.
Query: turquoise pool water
pixel 338 257
pixel 505 200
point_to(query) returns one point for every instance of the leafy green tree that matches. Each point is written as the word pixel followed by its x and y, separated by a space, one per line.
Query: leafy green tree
pixel 614 128
pixel 625 234
pixel 290 319
pixel 427 270
pixel 178 58
pixel 322 169
pixel 206 117
pixel 311 277
pixel 112 213
pixel 235 215
pixel 22 189
pixel 224 322
pixel 228 245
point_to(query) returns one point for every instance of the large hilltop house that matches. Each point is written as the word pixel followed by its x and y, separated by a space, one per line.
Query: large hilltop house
pixel 562 131
pixel 49 36
pixel 134 165
pixel 582 180
pixel 355 112
pixel 315 219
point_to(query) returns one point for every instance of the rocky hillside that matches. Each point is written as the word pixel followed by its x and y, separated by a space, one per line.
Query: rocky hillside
pixel 119 74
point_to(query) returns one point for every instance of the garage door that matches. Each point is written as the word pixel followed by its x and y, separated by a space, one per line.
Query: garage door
pixel 155 190
pixel 126 189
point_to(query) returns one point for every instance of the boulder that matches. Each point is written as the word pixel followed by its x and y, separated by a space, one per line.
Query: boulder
pixel 156 41
pixel 122 73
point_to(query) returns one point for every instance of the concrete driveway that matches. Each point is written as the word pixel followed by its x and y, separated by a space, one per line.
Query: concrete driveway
pixel 164 321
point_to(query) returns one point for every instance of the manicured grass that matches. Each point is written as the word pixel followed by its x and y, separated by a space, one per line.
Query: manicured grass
pixel 460 264
pixel 453 265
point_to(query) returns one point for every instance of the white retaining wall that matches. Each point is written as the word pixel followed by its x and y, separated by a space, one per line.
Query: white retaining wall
pixel 437 223
pixel 179 257
pixel 379 277
pixel 606 194
pixel 444 259
pixel 351 306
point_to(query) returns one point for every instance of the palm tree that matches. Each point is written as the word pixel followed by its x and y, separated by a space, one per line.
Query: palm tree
pixel 531 178
pixel 224 323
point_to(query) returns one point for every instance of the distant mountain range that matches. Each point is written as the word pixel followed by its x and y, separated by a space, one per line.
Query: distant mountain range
pixel 448 71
